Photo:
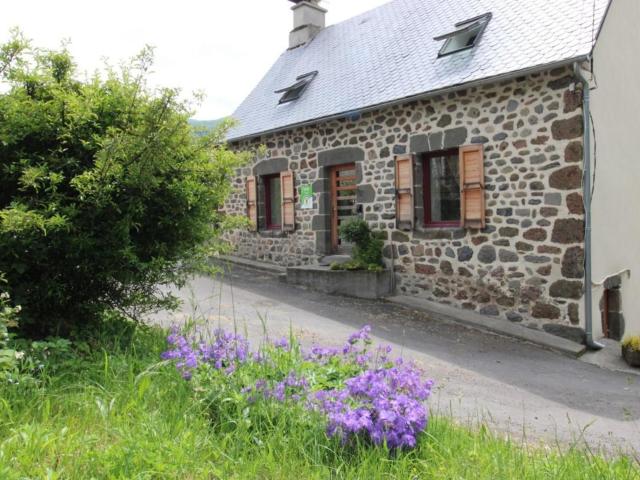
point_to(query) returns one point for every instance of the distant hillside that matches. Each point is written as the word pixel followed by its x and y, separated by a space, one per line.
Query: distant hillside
pixel 209 124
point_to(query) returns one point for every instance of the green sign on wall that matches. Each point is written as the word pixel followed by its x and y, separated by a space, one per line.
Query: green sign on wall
pixel 306 197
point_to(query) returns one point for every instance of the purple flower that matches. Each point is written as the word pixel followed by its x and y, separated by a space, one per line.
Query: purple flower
pixel 361 335
pixel 291 387
pixel 282 343
pixel 224 352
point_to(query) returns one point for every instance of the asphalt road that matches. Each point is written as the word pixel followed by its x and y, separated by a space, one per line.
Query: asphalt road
pixel 518 389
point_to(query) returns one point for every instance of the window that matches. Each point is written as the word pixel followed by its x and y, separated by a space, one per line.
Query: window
pixel 273 202
pixel 466 36
pixel 442 188
pixel 296 90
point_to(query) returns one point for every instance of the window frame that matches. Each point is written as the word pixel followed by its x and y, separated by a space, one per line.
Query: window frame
pixel 426 189
pixel 266 181
pixel 478 24
pixel 295 91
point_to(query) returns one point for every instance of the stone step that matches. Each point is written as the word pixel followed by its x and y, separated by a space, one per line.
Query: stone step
pixel 329 259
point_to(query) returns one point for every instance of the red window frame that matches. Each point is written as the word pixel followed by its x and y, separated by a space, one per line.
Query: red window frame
pixel 267 202
pixel 426 188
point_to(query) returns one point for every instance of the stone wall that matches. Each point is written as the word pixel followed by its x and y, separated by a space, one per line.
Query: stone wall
pixel 527 264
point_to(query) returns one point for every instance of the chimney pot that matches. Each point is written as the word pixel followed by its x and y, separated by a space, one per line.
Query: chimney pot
pixel 308 20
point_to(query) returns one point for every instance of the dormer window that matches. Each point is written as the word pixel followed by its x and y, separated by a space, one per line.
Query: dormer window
pixel 466 36
pixel 296 90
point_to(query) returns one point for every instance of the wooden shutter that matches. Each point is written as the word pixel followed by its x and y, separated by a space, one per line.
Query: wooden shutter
pixel 252 202
pixel 404 192
pixel 472 186
pixel 288 201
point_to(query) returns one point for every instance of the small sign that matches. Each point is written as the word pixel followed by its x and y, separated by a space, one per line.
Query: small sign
pixel 306 197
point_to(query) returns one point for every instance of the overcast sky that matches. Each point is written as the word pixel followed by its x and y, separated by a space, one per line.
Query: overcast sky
pixel 222 47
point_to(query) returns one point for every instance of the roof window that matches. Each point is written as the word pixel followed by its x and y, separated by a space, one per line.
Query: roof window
pixel 466 36
pixel 296 90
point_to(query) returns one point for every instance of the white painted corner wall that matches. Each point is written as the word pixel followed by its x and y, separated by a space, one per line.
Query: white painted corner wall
pixel 616 202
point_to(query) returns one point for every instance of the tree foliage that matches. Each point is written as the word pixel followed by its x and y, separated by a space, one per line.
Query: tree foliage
pixel 106 194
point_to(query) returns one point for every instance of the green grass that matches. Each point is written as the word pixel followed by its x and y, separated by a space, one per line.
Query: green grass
pixel 124 415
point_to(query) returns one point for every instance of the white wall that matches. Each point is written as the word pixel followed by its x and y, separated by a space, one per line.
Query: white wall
pixel 616 202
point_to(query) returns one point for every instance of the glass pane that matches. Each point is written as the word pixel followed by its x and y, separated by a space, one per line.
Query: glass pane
pixel 345 193
pixel 444 189
pixel 346 173
pixel 275 201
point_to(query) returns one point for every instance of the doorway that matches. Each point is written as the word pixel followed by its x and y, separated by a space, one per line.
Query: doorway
pixel 613 325
pixel 343 180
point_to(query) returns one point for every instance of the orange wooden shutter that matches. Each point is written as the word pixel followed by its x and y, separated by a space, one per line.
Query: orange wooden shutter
pixel 252 202
pixel 288 201
pixel 472 186
pixel 404 192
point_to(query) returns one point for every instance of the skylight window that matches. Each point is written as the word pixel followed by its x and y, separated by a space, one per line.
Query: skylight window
pixel 466 36
pixel 296 90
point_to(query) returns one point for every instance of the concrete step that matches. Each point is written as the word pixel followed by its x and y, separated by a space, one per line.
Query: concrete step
pixel 244 262
pixel 329 259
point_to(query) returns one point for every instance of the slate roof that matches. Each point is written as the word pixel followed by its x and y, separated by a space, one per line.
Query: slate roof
pixel 388 54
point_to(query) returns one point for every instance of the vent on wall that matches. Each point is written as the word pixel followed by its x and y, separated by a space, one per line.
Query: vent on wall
pixel 466 36
pixel 296 90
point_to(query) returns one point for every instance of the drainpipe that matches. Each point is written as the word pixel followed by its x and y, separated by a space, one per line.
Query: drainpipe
pixel 588 291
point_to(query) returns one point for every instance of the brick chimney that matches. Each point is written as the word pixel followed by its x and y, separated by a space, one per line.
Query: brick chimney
pixel 308 20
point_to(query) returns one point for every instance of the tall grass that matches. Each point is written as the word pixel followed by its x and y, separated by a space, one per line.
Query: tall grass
pixel 117 412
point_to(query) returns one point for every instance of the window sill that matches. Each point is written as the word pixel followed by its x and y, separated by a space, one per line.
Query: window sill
pixel 272 233
pixel 440 226
pixel 441 232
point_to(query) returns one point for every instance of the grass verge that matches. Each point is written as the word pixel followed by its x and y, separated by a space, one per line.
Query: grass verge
pixel 116 411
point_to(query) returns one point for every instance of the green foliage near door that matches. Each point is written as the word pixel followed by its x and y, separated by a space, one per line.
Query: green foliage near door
pixel 106 194
pixel 367 246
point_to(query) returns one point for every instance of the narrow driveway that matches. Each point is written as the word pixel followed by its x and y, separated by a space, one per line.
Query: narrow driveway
pixel 517 388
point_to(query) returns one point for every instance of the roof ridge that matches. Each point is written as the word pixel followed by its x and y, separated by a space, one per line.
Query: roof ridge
pixel 386 4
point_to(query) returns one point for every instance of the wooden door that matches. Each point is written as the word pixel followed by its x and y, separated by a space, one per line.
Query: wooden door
pixel 343 202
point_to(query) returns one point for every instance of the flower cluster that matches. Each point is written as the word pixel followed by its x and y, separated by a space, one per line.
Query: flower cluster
pixel 282 343
pixel 226 350
pixel 356 349
pixel 293 387
pixel 361 393
pixel 181 350
pixel 385 405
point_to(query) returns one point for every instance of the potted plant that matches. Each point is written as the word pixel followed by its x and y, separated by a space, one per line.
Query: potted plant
pixel 367 247
pixel 631 350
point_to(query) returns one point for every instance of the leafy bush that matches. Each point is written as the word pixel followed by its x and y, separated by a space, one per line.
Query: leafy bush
pixel 106 195
pixel 22 362
pixel 9 356
pixel 362 395
pixel 367 249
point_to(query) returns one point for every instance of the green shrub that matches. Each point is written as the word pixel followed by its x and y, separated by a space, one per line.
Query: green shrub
pixel 106 195
pixel 9 356
pixel 356 265
pixel 367 249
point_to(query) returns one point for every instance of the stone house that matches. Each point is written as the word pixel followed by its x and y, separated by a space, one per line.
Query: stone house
pixel 459 129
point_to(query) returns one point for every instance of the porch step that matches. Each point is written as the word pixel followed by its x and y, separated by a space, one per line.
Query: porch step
pixel 329 259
